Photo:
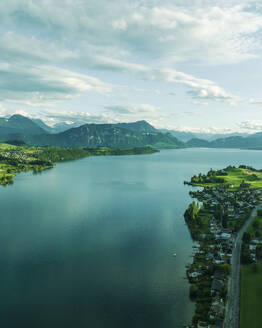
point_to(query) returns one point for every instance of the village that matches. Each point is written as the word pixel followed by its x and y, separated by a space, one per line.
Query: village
pixel 16 155
pixel 213 222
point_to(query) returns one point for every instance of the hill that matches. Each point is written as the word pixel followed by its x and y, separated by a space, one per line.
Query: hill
pixel 195 142
pixel 181 135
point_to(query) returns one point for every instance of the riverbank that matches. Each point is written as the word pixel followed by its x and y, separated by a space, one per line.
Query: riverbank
pixel 226 203
pixel 22 158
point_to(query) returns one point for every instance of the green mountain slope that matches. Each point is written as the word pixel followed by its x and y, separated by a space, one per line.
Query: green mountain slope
pixel 139 126
pixel 108 135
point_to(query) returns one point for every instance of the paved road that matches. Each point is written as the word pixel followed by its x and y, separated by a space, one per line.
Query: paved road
pixel 233 301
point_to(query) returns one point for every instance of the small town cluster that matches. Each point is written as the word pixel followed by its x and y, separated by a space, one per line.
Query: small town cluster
pixel 213 222
pixel 15 155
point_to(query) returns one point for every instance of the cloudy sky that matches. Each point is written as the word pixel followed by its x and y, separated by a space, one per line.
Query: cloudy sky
pixel 180 64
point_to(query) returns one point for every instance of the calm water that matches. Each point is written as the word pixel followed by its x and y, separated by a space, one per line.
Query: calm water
pixel 90 243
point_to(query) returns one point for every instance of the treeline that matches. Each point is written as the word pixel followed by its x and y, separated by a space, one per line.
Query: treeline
pixel 25 158
pixel 56 154
pixel 105 151
pixel 247 167
pixel 209 178
pixel 193 219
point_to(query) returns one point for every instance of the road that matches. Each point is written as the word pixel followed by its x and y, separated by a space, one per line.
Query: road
pixel 233 299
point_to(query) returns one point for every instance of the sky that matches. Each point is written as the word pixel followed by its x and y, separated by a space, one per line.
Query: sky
pixel 189 65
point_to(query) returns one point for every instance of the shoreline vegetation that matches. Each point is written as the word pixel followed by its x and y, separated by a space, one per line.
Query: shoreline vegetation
pixel 214 218
pixel 17 157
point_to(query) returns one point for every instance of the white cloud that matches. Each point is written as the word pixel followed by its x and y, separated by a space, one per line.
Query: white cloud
pixel 251 126
pixel 148 39
pixel 134 109
pixel 55 116
pixel 204 32
pixel 120 24
pixel 34 85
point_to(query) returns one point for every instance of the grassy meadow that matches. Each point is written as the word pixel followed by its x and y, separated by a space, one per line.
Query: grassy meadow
pixel 234 177
pixel 251 296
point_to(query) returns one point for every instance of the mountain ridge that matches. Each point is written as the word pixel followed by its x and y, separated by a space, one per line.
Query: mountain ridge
pixel 19 124
pixel 120 135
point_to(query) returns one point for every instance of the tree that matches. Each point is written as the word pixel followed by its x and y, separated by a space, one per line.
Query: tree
pixel 224 220
pixel 255 268
pixel 245 257
pixel 246 237
pixel 259 212
pixel 225 268
pixel 256 225
pixel 192 211
pixel 259 252
pixel 193 291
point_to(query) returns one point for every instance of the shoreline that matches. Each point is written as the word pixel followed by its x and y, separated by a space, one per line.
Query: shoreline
pixel 214 226
pixel 16 159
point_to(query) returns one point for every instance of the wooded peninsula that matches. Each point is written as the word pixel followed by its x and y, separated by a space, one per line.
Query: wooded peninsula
pixel 17 157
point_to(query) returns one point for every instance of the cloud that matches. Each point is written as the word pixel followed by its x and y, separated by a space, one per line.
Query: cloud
pixel 38 39
pixel 255 102
pixel 119 109
pixel 200 102
pixel 157 29
pixel 33 85
pixel 133 109
pixel 251 126
pixel 113 114
pixel 55 116
pixel 162 30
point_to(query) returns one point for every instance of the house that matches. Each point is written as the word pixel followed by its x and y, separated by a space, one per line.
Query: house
pixel 225 235
pixel 216 311
pixel 216 287
pixel 194 274
pixel 256 241
pixel 218 275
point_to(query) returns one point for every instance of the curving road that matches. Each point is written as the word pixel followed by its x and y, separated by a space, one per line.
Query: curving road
pixel 233 299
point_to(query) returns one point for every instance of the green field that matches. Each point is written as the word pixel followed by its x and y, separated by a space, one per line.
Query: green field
pixel 251 297
pixel 237 175
pixel 234 177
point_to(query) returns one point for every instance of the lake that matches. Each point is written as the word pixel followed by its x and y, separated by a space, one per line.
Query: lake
pixel 90 243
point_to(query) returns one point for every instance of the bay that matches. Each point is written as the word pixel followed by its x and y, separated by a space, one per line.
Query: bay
pixel 90 243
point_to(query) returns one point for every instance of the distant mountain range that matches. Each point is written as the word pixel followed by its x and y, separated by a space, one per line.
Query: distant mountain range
pixel 253 141
pixel 185 136
pixel 120 135
pixel 56 128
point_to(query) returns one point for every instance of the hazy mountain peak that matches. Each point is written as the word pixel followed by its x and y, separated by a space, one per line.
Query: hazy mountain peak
pixel 138 126
pixel 19 124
